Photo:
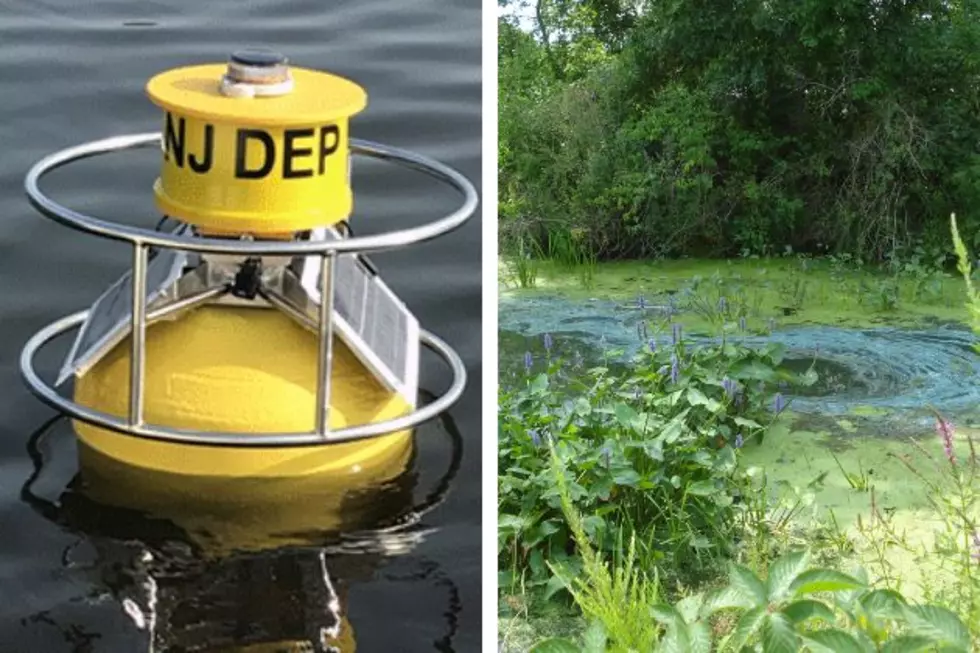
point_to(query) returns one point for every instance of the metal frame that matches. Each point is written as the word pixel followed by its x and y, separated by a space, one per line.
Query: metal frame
pixel 143 239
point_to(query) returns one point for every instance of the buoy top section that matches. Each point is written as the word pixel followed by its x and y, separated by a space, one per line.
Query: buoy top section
pixel 217 91
pixel 254 145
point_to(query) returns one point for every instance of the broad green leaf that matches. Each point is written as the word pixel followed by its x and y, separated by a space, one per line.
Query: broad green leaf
pixel 883 604
pixel 626 476
pixel 666 614
pixel 654 449
pixel 702 488
pixel 823 580
pixel 512 522
pixel 938 623
pixel 783 572
pixel 690 607
pixel 594 639
pixel 747 626
pixel 536 563
pixel 725 599
pixel 555 645
pixel 748 584
pixel 697 398
pixel 700 638
pixel 833 641
pixel 747 423
pixel 753 370
pixel 676 640
pixel 725 460
pixel 555 584
pixel 625 415
pixel 806 609
pixel 778 635
pixel 672 431
pixel 540 384
pixel 909 644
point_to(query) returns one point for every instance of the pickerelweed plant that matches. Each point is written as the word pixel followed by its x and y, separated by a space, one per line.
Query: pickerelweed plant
pixel 651 452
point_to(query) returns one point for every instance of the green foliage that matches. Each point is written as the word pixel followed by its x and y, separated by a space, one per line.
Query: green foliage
pixel 801 608
pixel 707 128
pixel 649 451
pixel 949 559
pixel 617 602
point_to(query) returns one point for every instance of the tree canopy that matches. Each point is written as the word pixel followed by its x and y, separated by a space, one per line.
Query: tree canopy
pixel 720 127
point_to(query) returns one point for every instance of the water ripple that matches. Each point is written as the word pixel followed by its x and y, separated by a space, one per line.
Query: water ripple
pixel 885 368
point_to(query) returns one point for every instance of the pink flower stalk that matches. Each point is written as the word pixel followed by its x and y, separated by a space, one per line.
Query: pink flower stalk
pixel 945 431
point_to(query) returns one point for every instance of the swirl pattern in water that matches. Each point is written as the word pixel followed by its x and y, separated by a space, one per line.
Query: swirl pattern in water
pixel 886 368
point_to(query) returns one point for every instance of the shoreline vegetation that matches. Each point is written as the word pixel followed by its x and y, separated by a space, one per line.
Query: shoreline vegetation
pixel 642 509
pixel 741 168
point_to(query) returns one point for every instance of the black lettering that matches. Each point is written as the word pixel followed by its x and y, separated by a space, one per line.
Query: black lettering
pixel 325 148
pixel 196 164
pixel 290 151
pixel 241 168
pixel 174 142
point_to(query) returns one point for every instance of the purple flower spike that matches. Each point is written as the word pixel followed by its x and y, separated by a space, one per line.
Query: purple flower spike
pixel 945 431
pixel 677 333
pixel 675 369
pixel 640 302
pixel 548 342
pixel 652 345
pixel 528 361
pixel 779 403
pixel 535 437
pixel 729 386
pixel 739 441
pixel 606 453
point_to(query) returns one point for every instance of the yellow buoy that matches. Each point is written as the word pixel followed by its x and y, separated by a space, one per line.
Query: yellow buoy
pixel 259 149
pixel 241 380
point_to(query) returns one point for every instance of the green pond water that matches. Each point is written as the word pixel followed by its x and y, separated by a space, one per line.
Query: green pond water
pixel 886 348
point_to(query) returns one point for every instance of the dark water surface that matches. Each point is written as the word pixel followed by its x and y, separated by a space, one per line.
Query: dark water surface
pixel 78 576
pixel 886 370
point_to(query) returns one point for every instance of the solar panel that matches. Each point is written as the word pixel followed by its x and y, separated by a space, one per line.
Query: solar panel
pixel 108 320
pixel 371 319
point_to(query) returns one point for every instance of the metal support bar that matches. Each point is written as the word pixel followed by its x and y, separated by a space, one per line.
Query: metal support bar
pixel 363 245
pixel 191 301
pixel 137 356
pixel 328 266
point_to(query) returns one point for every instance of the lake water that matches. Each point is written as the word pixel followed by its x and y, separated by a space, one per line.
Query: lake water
pixel 73 72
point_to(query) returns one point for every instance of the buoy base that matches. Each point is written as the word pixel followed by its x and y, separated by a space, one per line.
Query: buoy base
pixel 249 370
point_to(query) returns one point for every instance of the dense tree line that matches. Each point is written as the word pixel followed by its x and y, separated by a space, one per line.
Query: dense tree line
pixel 724 127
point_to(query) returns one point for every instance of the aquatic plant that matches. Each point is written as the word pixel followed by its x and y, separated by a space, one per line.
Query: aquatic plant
pixel 650 449
pixel 615 598
pixel 948 560
pixel 860 481
pixel 523 265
